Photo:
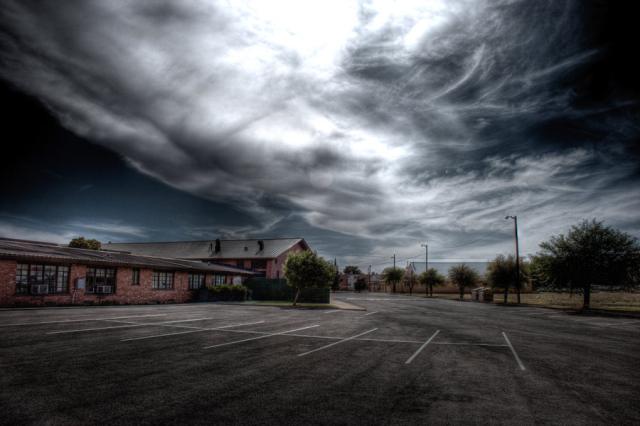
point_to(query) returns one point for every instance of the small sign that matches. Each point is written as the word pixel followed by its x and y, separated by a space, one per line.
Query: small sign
pixel 80 283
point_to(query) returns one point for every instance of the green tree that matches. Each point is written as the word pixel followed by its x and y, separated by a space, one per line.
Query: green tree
pixel 430 278
pixel 306 269
pixel 350 269
pixel 361 284
pixel 591 254
pixel 501 274
pixel 392 276
pixel 463 277
pixel 81 242
pixel 335 284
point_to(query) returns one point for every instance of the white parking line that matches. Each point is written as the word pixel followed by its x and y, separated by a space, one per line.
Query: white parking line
pixel 315 336
pixel 125 326
pixel 260 337
pixel 469 344
pixel 80 320
pixel 338 342
pixel 515 355
pixel 404 299
pixel 424 345
pixel 370 313
pixel 199 330
pixel 332 311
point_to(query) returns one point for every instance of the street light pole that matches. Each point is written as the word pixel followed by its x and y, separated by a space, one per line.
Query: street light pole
pixel 426 258
pixel 515 233
pixel 337 277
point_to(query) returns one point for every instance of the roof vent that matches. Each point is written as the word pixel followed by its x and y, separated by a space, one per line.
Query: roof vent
pixel 217 248
pixel 246 248
pixel 260 245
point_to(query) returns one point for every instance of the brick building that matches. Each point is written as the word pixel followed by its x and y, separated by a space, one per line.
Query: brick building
pixel 265 257
pixel 37 273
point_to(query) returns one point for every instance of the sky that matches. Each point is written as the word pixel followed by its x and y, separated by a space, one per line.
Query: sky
pixel 366 127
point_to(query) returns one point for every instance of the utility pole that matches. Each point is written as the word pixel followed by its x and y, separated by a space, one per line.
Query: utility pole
pixel 394 261
pixel 369 277
pixel 337 278
pixel 515 233
pixel 426 258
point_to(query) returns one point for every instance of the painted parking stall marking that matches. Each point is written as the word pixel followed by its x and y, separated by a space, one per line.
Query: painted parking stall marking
pixel 130 325
pixel 235 325
pixel 197 330
pixel 337 343
pixel 281 333
pixel 424 345
pixel 80 320
pixel 515 354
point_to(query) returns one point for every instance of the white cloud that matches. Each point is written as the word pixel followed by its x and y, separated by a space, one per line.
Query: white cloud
pixel 117 229
pixel 368 117
pixel 11 230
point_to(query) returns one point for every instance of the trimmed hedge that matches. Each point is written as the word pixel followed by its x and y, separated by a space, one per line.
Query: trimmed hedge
pixel 227 293
pixel 277 289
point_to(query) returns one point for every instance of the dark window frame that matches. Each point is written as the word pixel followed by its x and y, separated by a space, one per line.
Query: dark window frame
pixel 196 280
pixel 135 276
pixel 258 264
pixel 55 277
pixel 100 277
pixel 219 279
pixel 163 280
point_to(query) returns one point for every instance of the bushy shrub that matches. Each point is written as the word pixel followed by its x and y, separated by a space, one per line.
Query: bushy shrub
pixel 361 284
pixel 306 269
pixel 227 292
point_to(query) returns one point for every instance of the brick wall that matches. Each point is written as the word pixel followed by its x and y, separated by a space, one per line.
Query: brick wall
pixel 7 280
pixel 126 292
pixel 275 267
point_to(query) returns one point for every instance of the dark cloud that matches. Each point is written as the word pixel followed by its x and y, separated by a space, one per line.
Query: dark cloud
pixel 431 119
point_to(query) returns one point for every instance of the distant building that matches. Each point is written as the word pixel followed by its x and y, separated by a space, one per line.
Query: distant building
pixel 348 281
pixel 39 273
pixel 375 282
pixel 265 257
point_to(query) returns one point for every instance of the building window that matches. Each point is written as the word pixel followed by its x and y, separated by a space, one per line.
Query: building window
pixel 101 281
pixel 196 281
pixel 41 279
pixel 218 279
pixel 135 276
pixel 258 264
pixel 162 280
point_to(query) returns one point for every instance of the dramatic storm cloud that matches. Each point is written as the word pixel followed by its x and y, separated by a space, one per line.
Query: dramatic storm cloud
pixel 390 122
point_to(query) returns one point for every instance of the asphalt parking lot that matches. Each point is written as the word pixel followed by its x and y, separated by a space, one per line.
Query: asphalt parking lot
pixel 402 361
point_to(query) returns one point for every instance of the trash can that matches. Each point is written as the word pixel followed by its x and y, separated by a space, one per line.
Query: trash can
pixel 482 294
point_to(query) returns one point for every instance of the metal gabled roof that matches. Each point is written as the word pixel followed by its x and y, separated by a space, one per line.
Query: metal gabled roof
pixel 39 251
pixel 229 249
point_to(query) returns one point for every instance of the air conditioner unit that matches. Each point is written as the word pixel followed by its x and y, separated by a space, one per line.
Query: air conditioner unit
pixel 104 289
pixel 40 289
